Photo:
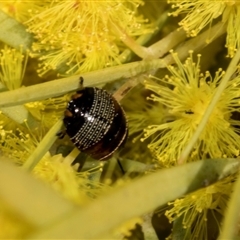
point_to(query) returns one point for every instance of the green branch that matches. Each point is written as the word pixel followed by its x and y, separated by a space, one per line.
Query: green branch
pixel 62 86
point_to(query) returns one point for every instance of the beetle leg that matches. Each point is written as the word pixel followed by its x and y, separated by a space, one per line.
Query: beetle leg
pixel 61 134
pixel 120 166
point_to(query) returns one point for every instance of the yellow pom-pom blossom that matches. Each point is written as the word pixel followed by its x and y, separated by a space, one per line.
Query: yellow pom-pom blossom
pixel 186 93
pixel 17 144
pixel 12 67
pixel 48 111
pixel 21 10
pixel 197 208
pixel 54 170
pixel 63 178
pixel 141 113
pixel 80 34
pixel 202 13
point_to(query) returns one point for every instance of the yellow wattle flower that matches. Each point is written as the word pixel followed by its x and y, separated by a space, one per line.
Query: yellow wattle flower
pixel 12 67
pixel 196 209
pixel 186 94
pixel 21 10
pixel 201 13
pixel 82 38
pixel 55 170
pixel 48 111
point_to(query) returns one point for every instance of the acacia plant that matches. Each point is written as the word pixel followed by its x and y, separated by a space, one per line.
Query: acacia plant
pixel 174 67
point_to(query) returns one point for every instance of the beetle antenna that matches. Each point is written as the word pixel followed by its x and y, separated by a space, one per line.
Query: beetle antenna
pixel 81 80
pixel 81 87
pixel 121 167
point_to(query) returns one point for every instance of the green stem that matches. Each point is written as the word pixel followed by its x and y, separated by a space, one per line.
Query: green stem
pixel 195 44
pixel 139 50
pixel 43 146
pixel 65 85
pixel 142 40
pixel 167 43
pixel 231 69
pixel 72 156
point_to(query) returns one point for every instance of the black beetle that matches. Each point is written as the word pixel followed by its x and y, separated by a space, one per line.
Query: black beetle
pixel 95 122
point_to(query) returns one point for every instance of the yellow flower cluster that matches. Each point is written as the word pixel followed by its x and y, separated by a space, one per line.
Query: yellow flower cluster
pixel 186 93
pixel 207 204
pixel 78 35
pixel 48 111
pixel 201 13
pixel 54 170
pixel 21 10
pixel 12 67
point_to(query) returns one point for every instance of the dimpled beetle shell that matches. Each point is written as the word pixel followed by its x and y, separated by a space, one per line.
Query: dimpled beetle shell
pixel 95 123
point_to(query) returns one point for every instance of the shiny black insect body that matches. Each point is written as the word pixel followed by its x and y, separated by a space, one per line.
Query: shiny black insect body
pixel 95 123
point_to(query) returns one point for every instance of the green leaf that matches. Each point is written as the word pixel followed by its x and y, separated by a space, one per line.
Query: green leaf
pixel 14 33
pixel 32 200
pixel 44 146
pixel 230 228
pixel 137 198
